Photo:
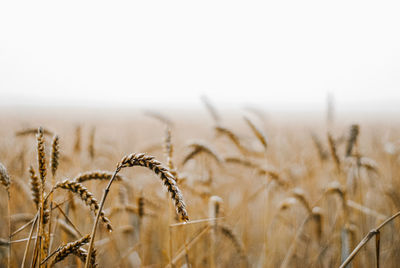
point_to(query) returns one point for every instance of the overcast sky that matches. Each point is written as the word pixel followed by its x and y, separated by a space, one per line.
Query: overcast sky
pixel 274 53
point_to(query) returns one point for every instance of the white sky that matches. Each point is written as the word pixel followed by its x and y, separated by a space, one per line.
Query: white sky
pixel 272 53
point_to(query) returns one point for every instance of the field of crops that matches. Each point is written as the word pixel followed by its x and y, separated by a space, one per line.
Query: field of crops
pixel 212 188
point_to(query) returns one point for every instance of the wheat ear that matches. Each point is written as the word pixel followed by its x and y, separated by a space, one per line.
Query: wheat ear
pixel 84 195
pixel 323 155
pixel 63 251
pixel 32 131
pixel 54 161
pixel 82 254
pixel 41 156
pixel 6 182
pixel 227 232
pixel 199 147
pixel 77 145
pixel 42 169
pixel 236 141
pixel 35 186
pixel 211 109
pixel 169 148
pixel 300 195
pixel 214 207
pixel 4 177
pixel 95 175
pixel 352 141
pixel 140 159
pixel 335 157
pixel 91 143
pixel 169 151
pixel 336 188
pixel 55 154
pixel 232 136
pixel 257 132
pixel 163 119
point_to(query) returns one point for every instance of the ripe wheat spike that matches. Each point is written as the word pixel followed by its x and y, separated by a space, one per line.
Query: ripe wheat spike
pixel 140 159
pixel 84 195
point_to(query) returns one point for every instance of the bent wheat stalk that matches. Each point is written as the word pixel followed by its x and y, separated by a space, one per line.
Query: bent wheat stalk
pixel 372 233
pixel 140 159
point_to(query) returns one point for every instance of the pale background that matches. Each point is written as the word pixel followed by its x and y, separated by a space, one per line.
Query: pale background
pixel 274 54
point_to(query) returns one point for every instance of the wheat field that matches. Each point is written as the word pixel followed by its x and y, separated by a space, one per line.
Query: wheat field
pixel 212 188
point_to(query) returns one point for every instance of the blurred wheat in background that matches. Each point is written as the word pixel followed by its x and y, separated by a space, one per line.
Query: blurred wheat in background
pixel 238 189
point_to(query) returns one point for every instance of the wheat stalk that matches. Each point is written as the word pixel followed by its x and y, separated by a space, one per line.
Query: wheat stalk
pixel 316 214
pixel 82 254
pixel 67 229
pixel 29 239
pixel 42 169
pixel 214 204
pixel 336 188
pixel 54 161
pixel 371 233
